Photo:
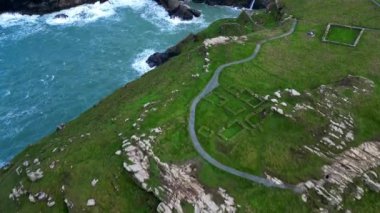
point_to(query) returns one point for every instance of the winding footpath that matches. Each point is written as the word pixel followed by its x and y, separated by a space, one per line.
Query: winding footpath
pixel 211 85
pixel 376 2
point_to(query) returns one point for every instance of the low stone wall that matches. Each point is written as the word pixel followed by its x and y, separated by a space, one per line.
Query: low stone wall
pixel 324 38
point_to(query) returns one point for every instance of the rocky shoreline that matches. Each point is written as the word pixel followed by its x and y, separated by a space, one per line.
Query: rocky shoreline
pixel 175 8
pixel 179 9
pixel 40 7
pixel 159 58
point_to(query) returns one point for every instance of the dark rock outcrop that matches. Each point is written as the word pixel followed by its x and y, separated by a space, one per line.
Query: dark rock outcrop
pixel 259 4
pixel 159 58
pixel 61 15
pixel 40 6
pixel 179 9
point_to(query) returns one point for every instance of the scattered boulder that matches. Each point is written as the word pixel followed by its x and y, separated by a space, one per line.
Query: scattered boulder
pixel 61 126
pixel 52 165
pixel 36 161
pixel 61 15
pixel 311 34
pixel 41 196
pixel 17 192
pixel 91 202
pixel 163 208
pixel 178 9
pixel 374 186
pixel 50 203
pixel 304 198
pixel 25 163
pixel 69 204
pixel 34 176
pixel 293 92
pixel 31 198
pixel 94 182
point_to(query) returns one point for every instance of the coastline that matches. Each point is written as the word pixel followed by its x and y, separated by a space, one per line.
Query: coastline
pixel 133 148
pixel 137 64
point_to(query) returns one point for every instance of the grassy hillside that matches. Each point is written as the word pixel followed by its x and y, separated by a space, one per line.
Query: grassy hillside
pixel 85 149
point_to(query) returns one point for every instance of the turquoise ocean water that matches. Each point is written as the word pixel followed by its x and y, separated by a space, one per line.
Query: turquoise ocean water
pixel 51 70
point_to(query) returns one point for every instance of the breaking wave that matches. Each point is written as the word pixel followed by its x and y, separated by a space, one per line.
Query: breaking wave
pixel 139 63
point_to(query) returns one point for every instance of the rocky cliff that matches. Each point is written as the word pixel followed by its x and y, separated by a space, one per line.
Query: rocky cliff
pixel 237 3
pixel 40 6
pixel 175 8
pixel 179 9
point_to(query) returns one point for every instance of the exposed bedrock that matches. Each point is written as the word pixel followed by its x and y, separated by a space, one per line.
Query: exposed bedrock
pixel 238 3
pixel 179 9
pixel 159 58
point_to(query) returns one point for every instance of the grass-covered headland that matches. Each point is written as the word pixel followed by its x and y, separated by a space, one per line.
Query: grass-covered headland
pixel 279 116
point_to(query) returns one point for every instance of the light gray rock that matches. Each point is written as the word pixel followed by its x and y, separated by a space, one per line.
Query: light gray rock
pixel 94 182
pixel 91 202
pixel 36 175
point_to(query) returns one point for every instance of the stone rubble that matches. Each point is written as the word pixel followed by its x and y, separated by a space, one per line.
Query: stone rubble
pixel 18 170
pixel 31 198
pixel 25 163
pixel 178 185
pixel 223 40
pixel 351 165
pixel 53 163
pixel 17 192
pixel 36 175
pixel 50 203
pixel 196 75
pixel 304 198
pixel 293 92
pixel 36 161
pixel 94 182
pixel 91 202
pixel 373 185
pixel 274 179
pixel 41 196
pixel 329 102
pixel 69 203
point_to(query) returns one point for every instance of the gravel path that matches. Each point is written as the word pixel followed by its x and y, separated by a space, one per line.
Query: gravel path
pixel 212 84
pixel 376 2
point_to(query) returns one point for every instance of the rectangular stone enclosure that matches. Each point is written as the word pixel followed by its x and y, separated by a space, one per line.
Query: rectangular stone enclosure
pixel 343 34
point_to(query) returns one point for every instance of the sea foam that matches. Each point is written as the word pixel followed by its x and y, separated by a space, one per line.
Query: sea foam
pixel 82 14
pixel 88 13
pixel 139 63
pixel 14 19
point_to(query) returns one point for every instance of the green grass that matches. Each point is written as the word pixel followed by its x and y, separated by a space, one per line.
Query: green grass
pixel 254 119
pixel 274 147
pixel 231 131
pixel 344 35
